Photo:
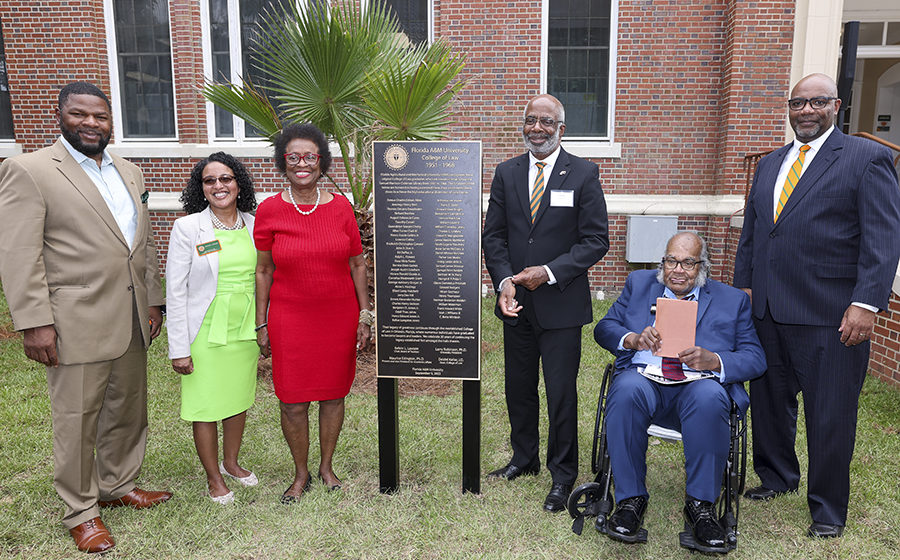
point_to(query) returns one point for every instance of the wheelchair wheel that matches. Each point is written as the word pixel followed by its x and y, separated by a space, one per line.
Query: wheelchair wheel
pixel 599 459
pixel 584 501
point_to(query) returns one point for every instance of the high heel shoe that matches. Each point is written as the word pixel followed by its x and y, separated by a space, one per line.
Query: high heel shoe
pixel 287 499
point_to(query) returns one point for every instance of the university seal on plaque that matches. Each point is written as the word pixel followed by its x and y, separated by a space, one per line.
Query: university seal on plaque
pixel 396 157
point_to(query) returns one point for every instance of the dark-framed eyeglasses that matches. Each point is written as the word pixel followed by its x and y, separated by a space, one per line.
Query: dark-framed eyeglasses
pixel 224 179
pixel 545 121
pixel 798 103
pixel 687 264
pixel 309 157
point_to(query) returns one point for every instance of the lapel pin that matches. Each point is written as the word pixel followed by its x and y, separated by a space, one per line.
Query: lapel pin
pixel 563 172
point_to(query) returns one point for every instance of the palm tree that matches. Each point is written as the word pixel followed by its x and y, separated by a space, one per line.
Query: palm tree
pixel 350 72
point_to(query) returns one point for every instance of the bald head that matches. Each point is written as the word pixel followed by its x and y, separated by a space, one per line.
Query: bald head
pixel 810 122
pixel 544 125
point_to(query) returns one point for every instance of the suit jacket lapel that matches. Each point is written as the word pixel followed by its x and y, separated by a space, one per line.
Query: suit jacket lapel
pixel 208 233
pixel 767 185
pixel 72 171
pixel 656 292
pixel 823 160
pixel 553 180
pixel 522 187
pixel 703 304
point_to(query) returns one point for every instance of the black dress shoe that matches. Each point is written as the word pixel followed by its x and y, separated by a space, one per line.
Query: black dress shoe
pixel 557 497
pixel 512 472
pixel 825 531
pixel 700 516
pixel 625 524
pixel 763 493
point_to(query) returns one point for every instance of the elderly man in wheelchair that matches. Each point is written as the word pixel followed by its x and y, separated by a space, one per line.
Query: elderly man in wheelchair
pixel 692 393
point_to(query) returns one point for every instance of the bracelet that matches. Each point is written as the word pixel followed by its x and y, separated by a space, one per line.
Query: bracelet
pixel 260 327
pixel 366 317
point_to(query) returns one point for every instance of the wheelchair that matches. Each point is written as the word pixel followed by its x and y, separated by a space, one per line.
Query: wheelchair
pixel 595 499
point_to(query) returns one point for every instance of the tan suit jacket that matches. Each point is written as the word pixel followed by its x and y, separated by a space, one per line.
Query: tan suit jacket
pixel 64 261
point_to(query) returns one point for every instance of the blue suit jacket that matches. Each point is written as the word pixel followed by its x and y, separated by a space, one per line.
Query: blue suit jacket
pixel 569 239
pixel 724 326
pixel 837 239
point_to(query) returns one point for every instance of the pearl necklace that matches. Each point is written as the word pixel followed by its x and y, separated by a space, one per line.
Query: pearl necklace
pixel 238 223
pixel 290 192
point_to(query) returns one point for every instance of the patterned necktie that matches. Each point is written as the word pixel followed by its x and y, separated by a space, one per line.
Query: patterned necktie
pixel 793 177
pixel 538 191
pixel 672 367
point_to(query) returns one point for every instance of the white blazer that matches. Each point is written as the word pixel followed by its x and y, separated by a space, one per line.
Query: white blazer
pixel 191 279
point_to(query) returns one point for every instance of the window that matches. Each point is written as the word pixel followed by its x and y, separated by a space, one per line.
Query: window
pixel 578 64
pixel 6 124
pixel 413 16
pixel 232 47
pixel 143 60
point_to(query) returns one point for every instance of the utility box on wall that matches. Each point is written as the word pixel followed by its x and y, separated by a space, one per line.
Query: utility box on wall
pixel 646 237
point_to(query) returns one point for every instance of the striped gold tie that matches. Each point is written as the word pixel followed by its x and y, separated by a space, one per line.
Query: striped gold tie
pixel 538 191
pixel 793 177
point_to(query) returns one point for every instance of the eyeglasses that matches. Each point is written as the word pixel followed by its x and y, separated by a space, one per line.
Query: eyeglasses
pixel 545 121
pixel 224 179
pixel 309 157
pixel 687 264
pixel 798 103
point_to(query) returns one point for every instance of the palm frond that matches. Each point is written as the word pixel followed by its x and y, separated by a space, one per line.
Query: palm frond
pixel 247 102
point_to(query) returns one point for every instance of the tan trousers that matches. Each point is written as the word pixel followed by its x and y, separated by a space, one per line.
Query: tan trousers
pixel 98 406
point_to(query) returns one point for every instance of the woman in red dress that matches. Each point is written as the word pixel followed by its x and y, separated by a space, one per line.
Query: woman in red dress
pixel 312 299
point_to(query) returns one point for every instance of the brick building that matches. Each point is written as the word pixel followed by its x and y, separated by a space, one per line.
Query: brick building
pixel 667 96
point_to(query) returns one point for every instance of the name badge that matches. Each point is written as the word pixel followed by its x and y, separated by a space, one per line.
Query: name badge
pixel 204 249
pixel 562 198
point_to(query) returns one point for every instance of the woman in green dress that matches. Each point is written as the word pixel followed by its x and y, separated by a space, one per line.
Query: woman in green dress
pixel 210 304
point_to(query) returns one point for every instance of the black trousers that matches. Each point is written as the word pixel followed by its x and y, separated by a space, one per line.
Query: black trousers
pixel 527 345
pixel 809 360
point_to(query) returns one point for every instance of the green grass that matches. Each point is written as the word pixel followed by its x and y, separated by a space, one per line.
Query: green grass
pixel 428 517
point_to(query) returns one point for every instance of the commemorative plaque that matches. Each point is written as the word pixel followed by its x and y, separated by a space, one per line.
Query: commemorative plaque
pixel 428 286
pixel 428 259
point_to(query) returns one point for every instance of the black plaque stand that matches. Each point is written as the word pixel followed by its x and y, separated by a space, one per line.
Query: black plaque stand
pixel 389 445
pixel 388 438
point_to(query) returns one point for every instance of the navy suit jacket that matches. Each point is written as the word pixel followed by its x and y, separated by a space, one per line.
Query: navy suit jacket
pixel 724 326
pixel 837 239
pixel 568 239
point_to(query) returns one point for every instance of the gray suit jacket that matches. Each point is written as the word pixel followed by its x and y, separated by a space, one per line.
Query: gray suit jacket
pixel 64 261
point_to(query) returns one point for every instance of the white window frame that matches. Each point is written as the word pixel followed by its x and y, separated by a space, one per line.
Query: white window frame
pixel 588 146
pixel 236 64
pixel 115 91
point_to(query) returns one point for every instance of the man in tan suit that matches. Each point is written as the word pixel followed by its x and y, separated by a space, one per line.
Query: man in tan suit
pixel 79 270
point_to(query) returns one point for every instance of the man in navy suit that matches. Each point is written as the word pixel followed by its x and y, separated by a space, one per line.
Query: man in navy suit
pixel 726 346
pixel 546 225
pixel 818 255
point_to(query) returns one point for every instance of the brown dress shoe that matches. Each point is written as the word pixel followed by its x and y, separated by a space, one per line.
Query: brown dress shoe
pixel 138 499
pixel 92 536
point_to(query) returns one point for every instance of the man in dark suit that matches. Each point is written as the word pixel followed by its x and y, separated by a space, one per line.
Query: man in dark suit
pixel 80 275
pixel 818 255
pixel 546 225
pixel 726 345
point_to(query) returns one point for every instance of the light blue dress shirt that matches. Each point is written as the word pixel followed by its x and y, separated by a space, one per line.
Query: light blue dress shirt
pixel 112 188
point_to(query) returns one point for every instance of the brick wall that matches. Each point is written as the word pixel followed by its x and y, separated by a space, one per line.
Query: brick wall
pixel 884 361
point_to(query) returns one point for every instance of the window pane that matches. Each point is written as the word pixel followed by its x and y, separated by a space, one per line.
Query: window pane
pixel 145 68
pixel 578 63
pixel 893 33
pixel 6 124
pixel 871 33
pixel 252 13
pixel 413 16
